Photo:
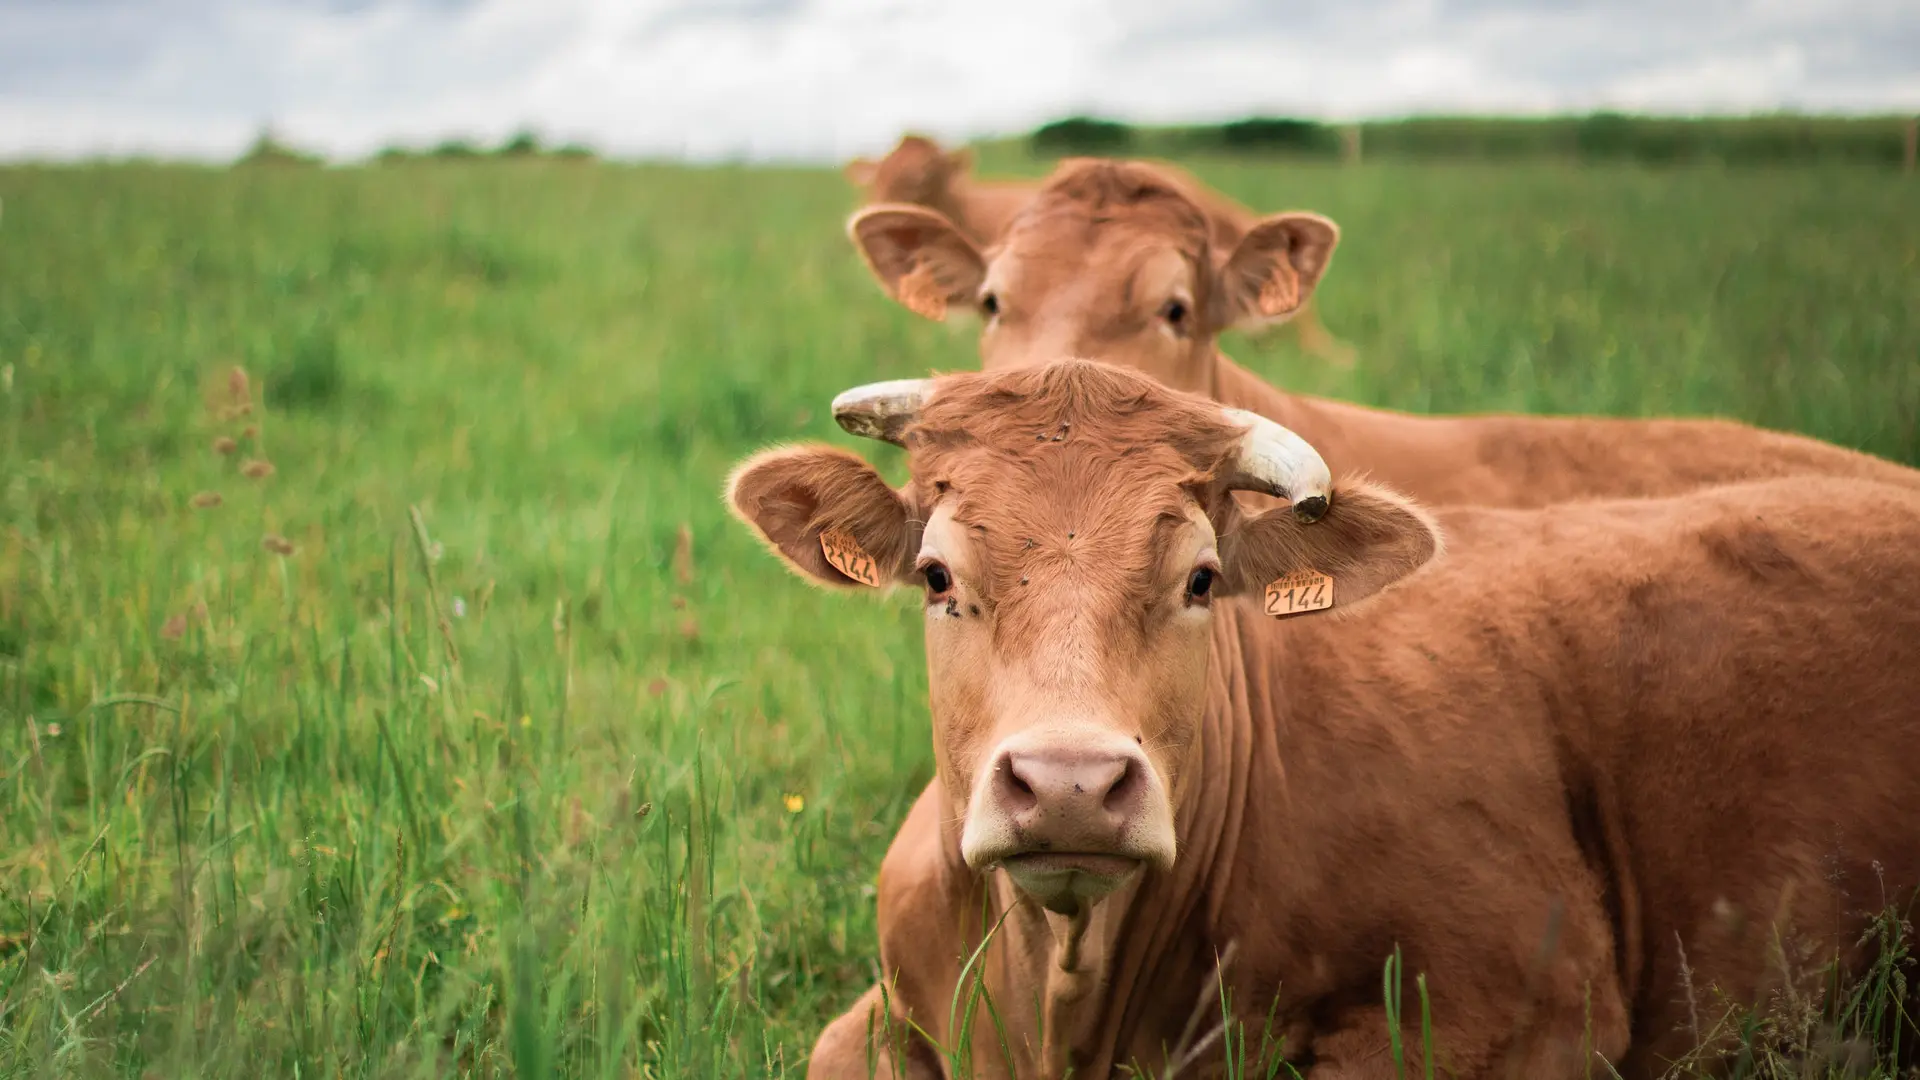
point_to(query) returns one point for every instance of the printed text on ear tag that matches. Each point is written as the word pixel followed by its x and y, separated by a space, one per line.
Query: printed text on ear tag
pixel 1299 593
pixel 848 557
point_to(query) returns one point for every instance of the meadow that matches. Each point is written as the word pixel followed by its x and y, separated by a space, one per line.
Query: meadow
pixel 408 704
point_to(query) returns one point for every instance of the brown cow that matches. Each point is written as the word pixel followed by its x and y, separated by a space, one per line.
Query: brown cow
pixel 1113 259
pixel 1542 766
pixel 920 173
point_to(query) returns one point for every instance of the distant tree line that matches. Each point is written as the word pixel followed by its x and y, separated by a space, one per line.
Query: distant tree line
pixel 269 149
pixel 1603 136
pixel 523 144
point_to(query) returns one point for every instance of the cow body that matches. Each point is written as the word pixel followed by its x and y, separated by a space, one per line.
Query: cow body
pixel 1523 461
pixel 1106 251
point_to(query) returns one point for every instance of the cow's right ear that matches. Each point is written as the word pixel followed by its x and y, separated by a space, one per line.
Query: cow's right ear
pixel 861 171
pixel 920 258
pixel 827 513
pixel 960 159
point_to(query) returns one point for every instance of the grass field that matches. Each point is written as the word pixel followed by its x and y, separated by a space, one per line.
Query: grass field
pixel 476 735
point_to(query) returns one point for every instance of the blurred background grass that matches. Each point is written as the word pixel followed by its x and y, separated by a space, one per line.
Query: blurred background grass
pixel 569 777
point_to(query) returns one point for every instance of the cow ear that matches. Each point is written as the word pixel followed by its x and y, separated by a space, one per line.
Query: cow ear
pixel 861 171
pixel 919 257
pixel 1274 268
pixel 960 159
pixel 1368 540
pixel 827 513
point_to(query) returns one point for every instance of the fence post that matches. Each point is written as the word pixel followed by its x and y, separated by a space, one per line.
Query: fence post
pixel 1350 145
pixel 1913 142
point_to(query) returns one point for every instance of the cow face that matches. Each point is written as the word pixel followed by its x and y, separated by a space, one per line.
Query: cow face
pixel 1111 259
pixel 1070 533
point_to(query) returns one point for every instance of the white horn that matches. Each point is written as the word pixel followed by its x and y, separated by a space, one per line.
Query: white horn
pixel 1275 461
pixel 882 410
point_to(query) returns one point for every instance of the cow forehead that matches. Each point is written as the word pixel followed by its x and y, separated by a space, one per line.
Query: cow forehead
pixel 1085 519
pixel 1098 254
pixel 1069 414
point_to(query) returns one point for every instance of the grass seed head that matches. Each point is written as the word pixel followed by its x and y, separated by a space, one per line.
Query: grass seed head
pixel 683 555
pixel 238 387
pixel 174 628
pixel 225 445
pixel 205 500
pixel 257 469
pixel 277 544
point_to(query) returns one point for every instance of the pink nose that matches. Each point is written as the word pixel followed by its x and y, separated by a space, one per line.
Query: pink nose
pixel 1068 800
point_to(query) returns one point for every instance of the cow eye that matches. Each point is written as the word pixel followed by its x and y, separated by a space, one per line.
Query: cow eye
pixel 1175 312
pixel 939 580
pixel 990 304
pixel 1200 585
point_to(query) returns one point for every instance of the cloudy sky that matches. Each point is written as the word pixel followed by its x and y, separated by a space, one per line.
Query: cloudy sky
pixel 823 79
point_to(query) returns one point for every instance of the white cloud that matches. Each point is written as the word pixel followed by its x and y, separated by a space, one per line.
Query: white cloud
pixel 824 79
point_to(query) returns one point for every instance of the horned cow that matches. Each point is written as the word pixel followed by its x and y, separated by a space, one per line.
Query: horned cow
pixel 1117 260
pixel 1542 763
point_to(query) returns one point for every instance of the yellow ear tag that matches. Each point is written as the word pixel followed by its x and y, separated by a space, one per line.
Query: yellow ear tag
pixel 848 557
pixel 1298 593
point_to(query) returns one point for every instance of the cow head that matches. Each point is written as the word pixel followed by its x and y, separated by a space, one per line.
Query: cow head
pixel 1071 532
pixel 1111 259
pixel 914 171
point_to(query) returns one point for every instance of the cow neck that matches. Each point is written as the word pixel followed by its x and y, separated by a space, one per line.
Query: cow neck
pixel 1149 948
pixel 1346 435
pixel 1230 384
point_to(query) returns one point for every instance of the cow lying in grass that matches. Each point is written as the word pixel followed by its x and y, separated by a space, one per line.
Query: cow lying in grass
pixel 1115 260
pixel 920 173
pixel 1542 765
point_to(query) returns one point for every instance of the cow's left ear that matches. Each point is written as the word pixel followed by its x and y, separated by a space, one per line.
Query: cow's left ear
pixel 1274 269
pixel 1369 539
pixel 827 513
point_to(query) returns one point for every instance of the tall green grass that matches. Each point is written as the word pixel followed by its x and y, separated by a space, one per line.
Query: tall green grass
pixel 474 736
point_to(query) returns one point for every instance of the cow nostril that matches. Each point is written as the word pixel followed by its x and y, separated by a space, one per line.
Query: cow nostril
pixel 1125 792
pixel 1019 786
pixel 1014 790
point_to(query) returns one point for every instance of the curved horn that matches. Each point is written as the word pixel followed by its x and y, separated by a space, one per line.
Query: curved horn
pixel 1275 461
pixel 881 410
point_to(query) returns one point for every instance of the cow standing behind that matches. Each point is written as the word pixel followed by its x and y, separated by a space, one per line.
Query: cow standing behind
pixel 1116 260
pixel 1541 765
pixel 918 172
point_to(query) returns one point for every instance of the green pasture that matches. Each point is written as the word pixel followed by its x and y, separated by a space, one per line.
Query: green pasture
pixel 474 736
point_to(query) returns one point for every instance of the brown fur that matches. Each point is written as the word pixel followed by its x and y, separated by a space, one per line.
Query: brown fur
pixel 1069 277
pixel 1540 764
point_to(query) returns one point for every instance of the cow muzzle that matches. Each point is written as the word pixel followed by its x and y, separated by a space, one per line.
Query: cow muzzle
pixel 1070 817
